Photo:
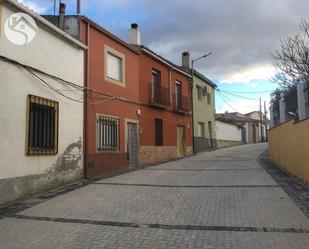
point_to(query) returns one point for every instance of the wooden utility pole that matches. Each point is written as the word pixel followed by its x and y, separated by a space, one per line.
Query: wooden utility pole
pixel 265 113
pixel 261 121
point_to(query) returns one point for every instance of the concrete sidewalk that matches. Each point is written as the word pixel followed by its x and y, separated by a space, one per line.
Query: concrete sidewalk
pixel 220 199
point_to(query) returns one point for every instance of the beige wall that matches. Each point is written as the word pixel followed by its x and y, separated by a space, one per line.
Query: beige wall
pixel 204 112
pixel 289 147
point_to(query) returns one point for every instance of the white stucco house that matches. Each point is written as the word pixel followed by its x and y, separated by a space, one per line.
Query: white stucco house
pixel 41 101
pixel 228 134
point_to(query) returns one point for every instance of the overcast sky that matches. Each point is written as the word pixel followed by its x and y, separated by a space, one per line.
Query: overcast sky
pixel 240 33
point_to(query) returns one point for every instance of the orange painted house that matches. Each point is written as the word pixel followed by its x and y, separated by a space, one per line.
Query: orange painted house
pixel 137 107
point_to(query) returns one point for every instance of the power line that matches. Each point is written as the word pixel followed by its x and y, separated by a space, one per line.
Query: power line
pixel 223 98
pixel 269 91
pixel 239 96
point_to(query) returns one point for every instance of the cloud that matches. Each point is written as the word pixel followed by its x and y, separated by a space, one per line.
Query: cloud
pixel 33 5
pixel 247 75
pixel 241 105
pixel 240 33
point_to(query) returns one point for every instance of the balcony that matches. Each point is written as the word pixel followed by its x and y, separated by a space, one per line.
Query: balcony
pixel 182 104
pixel 159 96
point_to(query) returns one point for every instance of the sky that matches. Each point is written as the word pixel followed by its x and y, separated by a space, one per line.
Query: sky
pixel 241 34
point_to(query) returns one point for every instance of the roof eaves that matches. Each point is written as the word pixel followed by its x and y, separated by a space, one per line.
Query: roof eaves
pixel 204 78
pixel 162 59
pixel 109 34
pixel 46 23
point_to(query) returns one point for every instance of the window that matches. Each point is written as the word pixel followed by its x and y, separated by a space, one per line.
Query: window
pixel 114 66
pixel 199 92
pixel 107 133
pixel 156 82
pixel 201 129
pixel 42 126
pixel 158 132
pixel 208 98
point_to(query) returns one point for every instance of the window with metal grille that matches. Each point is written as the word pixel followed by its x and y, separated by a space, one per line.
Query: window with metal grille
pixel 158 132
pixel 42 126
pixel 107 133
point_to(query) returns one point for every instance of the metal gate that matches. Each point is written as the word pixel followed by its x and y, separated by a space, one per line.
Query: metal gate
pixel 133 145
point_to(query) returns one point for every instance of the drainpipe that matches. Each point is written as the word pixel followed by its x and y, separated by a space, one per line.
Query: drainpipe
pixel 192 112
pixel 86 68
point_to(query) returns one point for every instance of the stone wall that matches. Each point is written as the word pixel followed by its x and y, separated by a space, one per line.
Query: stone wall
pixel 157 154
pixel 227 143
pixel 12 189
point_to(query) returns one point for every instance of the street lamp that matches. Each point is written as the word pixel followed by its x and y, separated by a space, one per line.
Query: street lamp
pixel 192 84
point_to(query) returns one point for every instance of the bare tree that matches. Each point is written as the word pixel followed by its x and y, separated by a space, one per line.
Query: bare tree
pixel 292 59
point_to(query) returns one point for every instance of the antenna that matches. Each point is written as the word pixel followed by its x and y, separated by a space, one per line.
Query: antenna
pixel 55 2
pixel 78 7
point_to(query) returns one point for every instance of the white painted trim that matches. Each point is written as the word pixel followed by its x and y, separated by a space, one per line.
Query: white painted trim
pixel 112 51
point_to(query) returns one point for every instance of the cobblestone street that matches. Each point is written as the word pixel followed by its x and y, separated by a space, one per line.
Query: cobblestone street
pixel 223 199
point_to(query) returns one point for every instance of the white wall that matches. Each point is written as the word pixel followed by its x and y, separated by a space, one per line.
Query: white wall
pixel 227 132
pixel 51 54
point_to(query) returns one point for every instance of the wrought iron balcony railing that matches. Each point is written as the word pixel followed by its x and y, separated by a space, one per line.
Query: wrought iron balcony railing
pixel 182 104
pixel 159 96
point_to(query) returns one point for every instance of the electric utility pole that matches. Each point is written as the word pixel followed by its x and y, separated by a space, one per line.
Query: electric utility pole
pixel 261 121
pixel 265 111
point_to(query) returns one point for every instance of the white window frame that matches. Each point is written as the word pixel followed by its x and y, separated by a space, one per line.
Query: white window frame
pixel 112 52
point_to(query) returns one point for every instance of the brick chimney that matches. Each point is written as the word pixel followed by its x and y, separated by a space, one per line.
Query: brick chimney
pixel 134 35
pixel 186 61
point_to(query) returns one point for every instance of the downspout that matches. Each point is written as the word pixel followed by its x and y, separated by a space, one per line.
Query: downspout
pixel 170 85
pixel 86 66
pixel 192 112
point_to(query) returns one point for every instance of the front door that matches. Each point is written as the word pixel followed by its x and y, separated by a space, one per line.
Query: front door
pixel 254 133
pixel 211 146
pixel 133 145
pixel 181 147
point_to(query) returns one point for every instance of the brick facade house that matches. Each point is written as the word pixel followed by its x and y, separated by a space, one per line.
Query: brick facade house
pixel 137 107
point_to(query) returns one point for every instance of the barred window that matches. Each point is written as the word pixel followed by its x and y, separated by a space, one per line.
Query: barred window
pixel 42 126
pixel 107 133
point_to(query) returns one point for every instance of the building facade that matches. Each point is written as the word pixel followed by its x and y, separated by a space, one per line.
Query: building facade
pixel 166 124
pixel 113 106
pixel 203 95
pixel 41 117
pixel 228 134
pixel 250 127
pixel 138 103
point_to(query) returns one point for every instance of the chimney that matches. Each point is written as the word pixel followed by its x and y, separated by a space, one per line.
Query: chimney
pixel 78 7
pixel 186 62
pixel 134 35
pixel 61 15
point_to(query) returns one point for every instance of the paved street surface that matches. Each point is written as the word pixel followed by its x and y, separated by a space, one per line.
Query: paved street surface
pixel 223 199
